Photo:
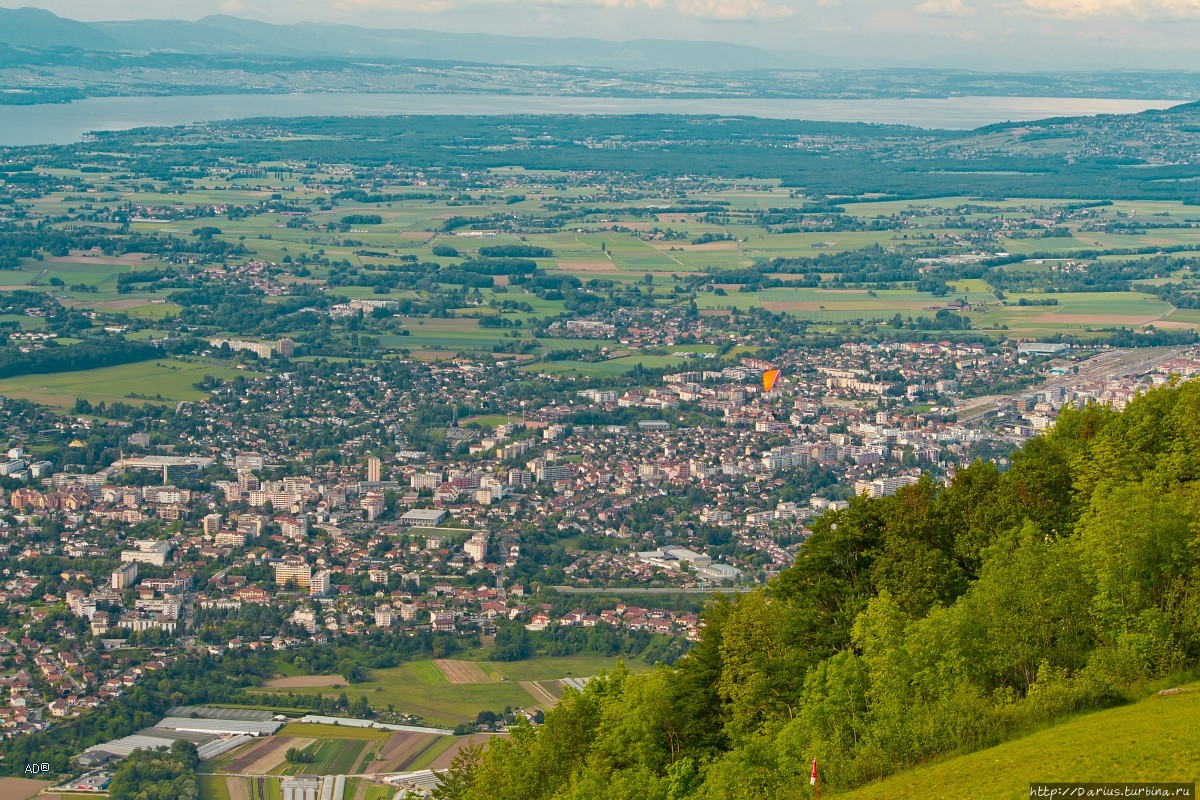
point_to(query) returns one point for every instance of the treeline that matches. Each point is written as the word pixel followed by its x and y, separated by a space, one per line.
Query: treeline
pixel 159 774
pixel 472 273
pixel 1177 294
pixel 515 643
pixel 940 620
pixel 86 355
pixel 363 196
pixel 870 265
pixel 30 242
pixel 1094 276
pixel 515 251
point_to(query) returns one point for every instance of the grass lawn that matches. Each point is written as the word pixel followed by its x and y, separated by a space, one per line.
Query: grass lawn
pixel 157 380
pixel 1156 739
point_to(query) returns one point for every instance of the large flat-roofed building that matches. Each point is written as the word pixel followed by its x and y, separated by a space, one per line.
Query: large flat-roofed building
pixel 147 552
pixel 1043 348
pixel 431 517
pixel 248 461
pixel 172 467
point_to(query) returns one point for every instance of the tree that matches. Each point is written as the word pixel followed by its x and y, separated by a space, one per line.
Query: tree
pixel 455 784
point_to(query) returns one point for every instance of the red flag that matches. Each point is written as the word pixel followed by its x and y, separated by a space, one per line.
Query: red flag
pixel 813 780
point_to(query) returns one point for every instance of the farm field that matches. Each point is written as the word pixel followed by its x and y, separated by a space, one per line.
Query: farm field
pixel 157 380
pixel 445 334
pixel 328 757
pixel 1076 311
pixel 305 681
pixel 334 750
pixel 240 788
pixel 256 758
pixel 427 689
pixel 400 751
pixel 412 691
pixel 316 730
pixel 214 787
pixel 460 672
pixel 21 788
pixel 443 760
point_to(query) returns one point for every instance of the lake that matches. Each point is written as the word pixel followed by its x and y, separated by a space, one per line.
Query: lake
pixel 66 123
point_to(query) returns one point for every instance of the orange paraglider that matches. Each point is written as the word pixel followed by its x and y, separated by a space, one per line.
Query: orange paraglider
pixel 770 377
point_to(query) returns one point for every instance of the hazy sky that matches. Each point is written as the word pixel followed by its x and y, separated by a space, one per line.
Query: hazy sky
pixel 1082 33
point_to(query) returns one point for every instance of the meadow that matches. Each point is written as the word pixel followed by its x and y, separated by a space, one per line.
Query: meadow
pixel 158 380
pixel 420 687
pixel 1155 739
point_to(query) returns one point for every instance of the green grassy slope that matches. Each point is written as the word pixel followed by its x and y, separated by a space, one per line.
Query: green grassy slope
pixel 1157 739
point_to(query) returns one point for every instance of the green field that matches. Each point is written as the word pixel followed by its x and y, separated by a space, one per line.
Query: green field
pixel 1156 739
pixel 414 689
pixel 252 788
pixel 158 380
pixel 419 687
pixel 375 791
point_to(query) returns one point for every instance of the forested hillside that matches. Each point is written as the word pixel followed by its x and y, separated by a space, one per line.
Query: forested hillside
pixel 940 620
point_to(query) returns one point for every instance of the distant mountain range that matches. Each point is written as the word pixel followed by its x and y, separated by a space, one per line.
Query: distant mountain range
pixel 224 35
